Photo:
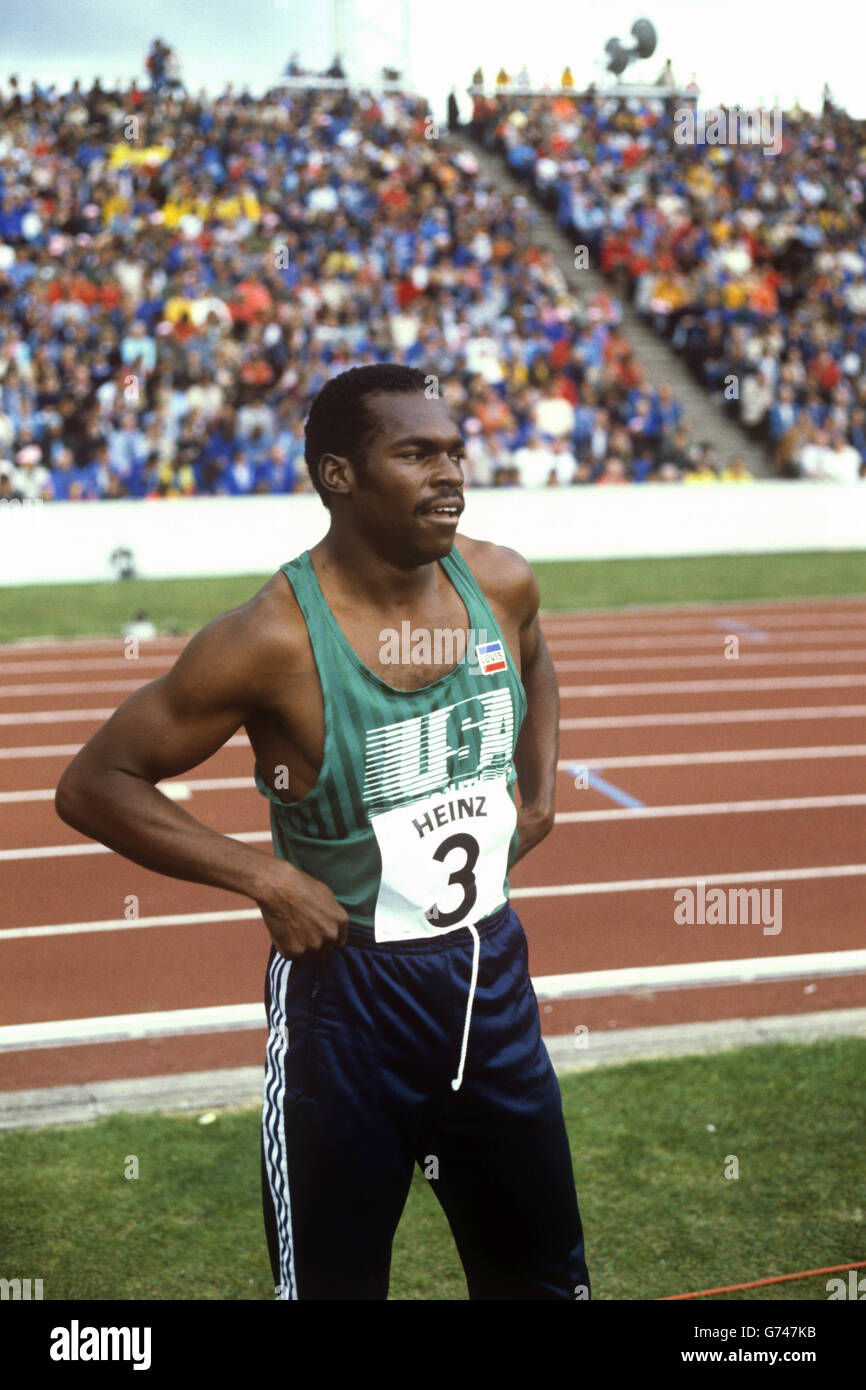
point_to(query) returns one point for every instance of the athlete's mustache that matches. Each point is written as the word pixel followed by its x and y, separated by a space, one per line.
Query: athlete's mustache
pixel 452 500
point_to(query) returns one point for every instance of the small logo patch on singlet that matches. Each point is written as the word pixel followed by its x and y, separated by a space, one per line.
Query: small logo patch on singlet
pixel 491 658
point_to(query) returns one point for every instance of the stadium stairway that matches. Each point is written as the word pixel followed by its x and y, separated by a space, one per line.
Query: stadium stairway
pixel 704 414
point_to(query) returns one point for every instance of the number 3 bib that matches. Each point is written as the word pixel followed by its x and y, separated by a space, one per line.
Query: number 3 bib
pixel 444 860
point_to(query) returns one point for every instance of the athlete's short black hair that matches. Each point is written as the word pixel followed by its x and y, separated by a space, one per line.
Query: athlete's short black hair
pixel 339 421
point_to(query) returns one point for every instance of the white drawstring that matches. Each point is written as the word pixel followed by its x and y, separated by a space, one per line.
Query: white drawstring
pixel 458 1080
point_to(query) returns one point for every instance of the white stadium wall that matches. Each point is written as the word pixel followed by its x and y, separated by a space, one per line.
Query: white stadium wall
pixel 60 541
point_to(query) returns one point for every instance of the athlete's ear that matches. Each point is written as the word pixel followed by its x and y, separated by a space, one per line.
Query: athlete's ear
pixel 337 473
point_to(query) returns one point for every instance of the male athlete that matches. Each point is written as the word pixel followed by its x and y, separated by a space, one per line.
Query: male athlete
pixel 403 1024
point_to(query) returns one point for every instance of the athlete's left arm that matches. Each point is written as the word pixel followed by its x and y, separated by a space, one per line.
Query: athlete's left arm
pixel 538 744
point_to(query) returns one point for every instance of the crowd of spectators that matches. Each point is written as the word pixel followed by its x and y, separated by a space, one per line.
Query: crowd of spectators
pixel 180 274
pixel 752 263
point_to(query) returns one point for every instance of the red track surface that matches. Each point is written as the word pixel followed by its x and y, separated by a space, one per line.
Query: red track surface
pixel 806 666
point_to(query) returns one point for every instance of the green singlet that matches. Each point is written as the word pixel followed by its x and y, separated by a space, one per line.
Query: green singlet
pixel 411 821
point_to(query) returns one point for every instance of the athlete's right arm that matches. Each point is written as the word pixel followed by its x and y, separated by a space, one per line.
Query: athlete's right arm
pixel 168 726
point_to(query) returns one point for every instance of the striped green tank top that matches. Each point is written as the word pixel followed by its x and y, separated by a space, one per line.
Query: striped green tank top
pixel 411 821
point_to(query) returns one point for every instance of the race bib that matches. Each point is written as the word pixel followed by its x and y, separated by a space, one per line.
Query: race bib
pixel 444 860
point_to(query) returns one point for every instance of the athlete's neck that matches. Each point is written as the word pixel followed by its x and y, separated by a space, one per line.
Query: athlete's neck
pixel 371 579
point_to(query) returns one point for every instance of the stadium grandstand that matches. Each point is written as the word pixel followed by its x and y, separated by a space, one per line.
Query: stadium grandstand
pixel 180 274
pixel 749 260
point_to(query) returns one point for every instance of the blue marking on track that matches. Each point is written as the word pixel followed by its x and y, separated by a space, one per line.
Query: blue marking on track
pixel 607 788
pixel 745 629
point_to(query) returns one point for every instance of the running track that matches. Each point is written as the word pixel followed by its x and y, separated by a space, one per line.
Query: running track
pixel 747 770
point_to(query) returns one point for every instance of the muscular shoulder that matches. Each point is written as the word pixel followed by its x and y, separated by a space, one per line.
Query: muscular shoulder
pixel 505 577
pixel 252 650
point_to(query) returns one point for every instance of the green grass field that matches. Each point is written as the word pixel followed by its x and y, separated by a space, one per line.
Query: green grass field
pixel 650 1141
pixel 76 610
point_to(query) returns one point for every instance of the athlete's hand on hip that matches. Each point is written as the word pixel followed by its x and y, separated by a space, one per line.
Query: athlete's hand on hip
pixel 301 913
pixel 533 823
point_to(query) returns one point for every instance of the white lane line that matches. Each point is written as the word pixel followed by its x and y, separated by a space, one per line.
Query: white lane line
pixel 624 721
pixel 76 646
pixel 699 973
pixel 728 755
pixel 97 663
pixel 172 919
pixel 685 617
pixel 733 755
pixel 181 791
pixel 714 808
pixel 68 750
pixel 854 655
pixel 625 688
pixel 182 919
pixel 646 885
pixel 706 639
pixel 177 791
pixel 42 750
pixel 838 609
pixel 223 1017
pixel 57 716
pixel 248 837
pixel 716 716
pixel 261 836
pixel 8 692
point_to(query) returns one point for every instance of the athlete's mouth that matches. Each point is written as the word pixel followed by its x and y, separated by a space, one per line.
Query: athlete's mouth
pixel 449 509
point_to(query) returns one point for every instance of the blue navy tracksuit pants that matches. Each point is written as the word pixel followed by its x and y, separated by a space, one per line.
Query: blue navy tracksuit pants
pixel 362 1052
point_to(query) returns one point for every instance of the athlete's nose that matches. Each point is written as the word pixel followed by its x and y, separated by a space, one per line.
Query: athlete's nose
pixel 448 472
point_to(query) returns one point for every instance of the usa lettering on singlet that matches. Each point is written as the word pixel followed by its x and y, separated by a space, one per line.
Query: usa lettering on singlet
pixel 436 789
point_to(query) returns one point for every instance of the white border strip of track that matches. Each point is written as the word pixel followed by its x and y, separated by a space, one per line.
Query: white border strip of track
pixel 232 1086
pixel 108 1028
pixel 221 1018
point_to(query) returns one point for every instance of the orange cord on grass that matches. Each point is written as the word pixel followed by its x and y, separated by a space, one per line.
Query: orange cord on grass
pixel 759 1283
